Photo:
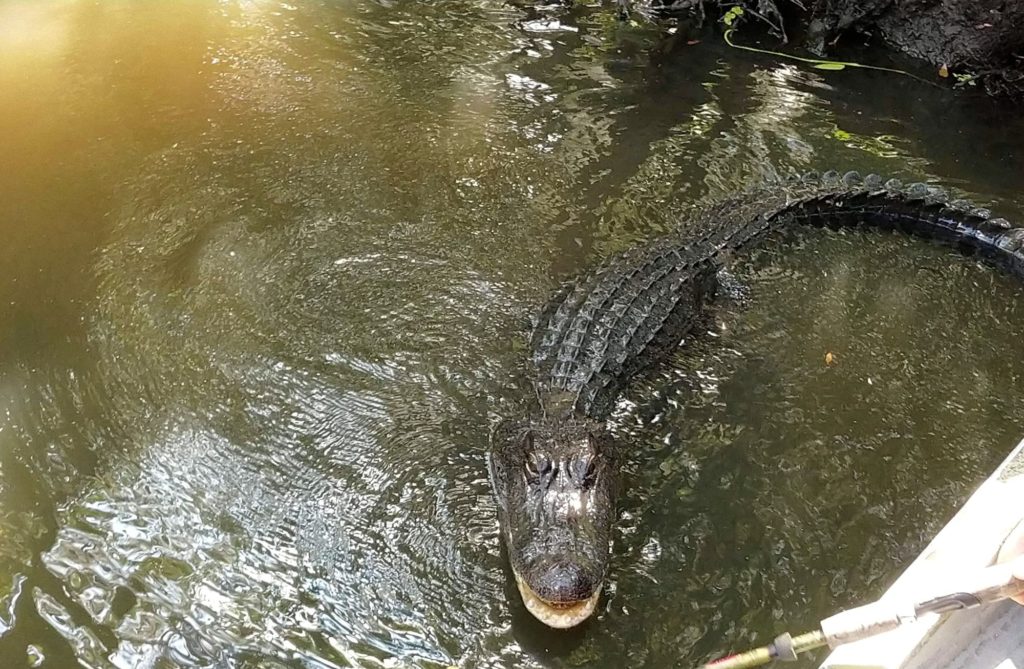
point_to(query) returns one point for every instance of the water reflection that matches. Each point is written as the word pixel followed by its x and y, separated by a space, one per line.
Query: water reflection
pixel 268 266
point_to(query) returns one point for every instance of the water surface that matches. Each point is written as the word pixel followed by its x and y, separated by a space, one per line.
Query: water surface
pixel 267 269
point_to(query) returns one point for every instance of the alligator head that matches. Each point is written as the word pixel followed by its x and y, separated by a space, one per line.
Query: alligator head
pixel 554 479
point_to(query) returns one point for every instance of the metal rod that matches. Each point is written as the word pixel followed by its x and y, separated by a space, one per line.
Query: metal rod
pixel 751 658
pixel 986 585
pixel 785 647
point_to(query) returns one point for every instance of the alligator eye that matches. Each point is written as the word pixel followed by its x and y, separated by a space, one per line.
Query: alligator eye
pixel 584 470
pixel 591 475
pixel 537 464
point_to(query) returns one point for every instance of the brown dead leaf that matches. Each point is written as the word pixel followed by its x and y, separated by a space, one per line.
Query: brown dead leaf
pixel 944 71
pixel 829 358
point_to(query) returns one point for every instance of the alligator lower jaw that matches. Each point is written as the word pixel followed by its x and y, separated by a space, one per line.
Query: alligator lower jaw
pixel 559 616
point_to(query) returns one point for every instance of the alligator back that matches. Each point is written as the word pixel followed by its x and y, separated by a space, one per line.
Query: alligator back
pixel 597 332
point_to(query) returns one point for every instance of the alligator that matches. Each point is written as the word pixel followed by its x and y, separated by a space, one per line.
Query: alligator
pixel 553 468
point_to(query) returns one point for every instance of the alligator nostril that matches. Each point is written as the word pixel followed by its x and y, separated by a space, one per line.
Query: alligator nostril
pixel 564 582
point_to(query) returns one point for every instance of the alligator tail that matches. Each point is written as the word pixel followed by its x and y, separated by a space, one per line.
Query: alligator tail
pixel 918 209
pixel 598 331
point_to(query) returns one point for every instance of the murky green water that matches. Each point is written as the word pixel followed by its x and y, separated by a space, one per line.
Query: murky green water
pixel 265 268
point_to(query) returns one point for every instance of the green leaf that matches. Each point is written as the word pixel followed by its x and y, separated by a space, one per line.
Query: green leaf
pixel 827 65
pixel 730 16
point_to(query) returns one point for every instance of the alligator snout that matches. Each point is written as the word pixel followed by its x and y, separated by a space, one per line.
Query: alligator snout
pixel 563 582
pixel 561 593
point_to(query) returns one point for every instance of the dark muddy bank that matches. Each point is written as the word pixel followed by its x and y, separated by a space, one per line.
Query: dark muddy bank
pixel 971 42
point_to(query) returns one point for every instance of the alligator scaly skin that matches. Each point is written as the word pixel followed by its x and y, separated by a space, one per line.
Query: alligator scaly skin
pixel 597 332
